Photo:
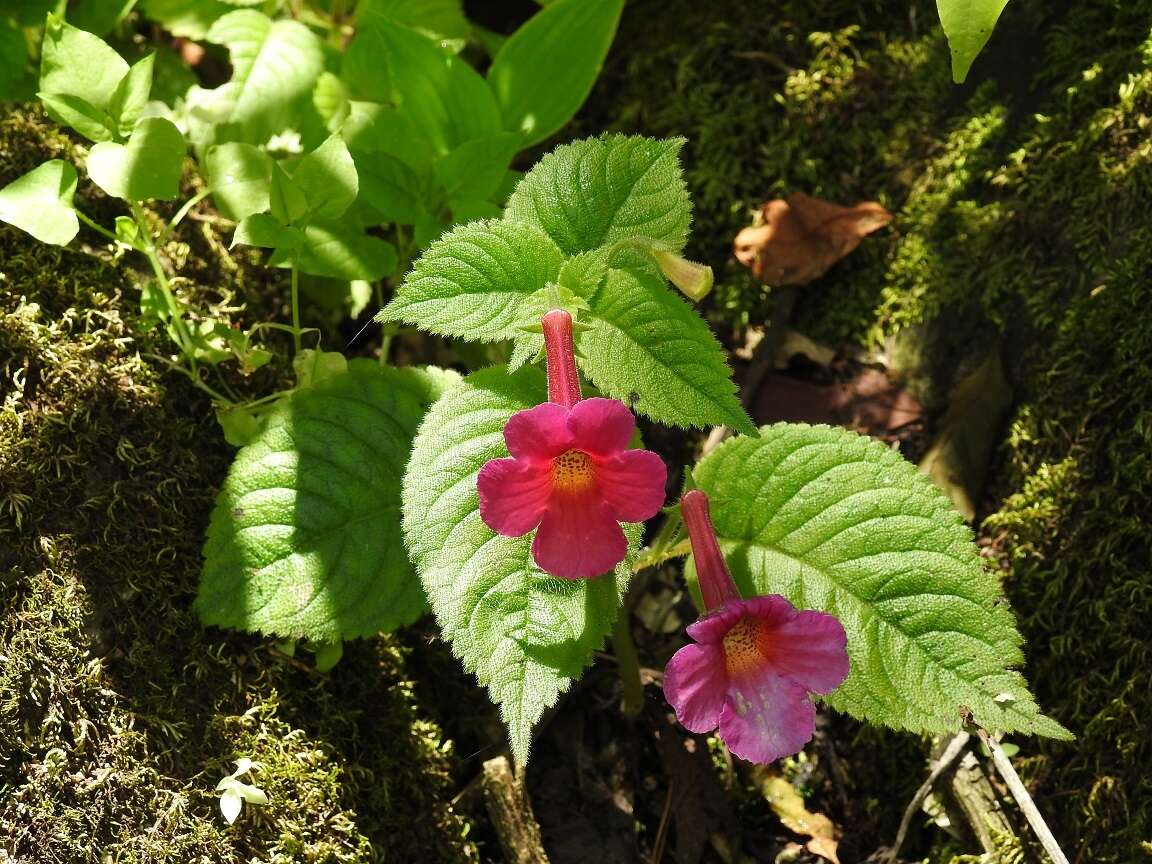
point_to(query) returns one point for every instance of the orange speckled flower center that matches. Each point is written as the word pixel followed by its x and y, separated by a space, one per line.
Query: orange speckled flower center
pixel 745 647
pixel 572 471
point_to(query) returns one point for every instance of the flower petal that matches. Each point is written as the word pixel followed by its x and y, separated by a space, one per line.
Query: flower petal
pixel 601 426
pixel 578 538
pixel 538 433
pixel 695 684
pixel 711 627
pixel 632 484
pixel 809 648
pixel 766 717
pixel 513 494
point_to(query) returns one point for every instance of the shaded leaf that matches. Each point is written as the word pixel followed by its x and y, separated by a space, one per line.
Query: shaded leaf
pixel 240 176
pixel 131 95
pixel 305 537
pixel 799 238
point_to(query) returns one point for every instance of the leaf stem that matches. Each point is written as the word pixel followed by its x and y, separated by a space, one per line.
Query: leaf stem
pixel 296 343
pixel 148 247
pixel 97 228
pixel 1023 799
pixel 628 664
pixel 183 211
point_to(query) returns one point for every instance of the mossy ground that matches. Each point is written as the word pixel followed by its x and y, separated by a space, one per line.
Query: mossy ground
pixel 1021 203
pixel 118 712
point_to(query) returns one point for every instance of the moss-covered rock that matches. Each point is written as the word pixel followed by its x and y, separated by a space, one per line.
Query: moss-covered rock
pixel 118 712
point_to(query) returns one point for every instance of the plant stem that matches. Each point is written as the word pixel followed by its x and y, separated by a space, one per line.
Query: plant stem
pixel 1023 799
pixel 628 664
pixel 296 309
pixel 97 228
pixel 148 247
pixel 183 211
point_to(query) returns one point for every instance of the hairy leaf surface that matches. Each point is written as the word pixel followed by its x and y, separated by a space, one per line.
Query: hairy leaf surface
pixel 305 538
pixel 475 282
pixel 604 190
pixel 838 522
pixel 523 633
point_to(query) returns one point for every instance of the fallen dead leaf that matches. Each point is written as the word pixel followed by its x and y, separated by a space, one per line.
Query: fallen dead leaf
pixel 787 804
pixel 796 239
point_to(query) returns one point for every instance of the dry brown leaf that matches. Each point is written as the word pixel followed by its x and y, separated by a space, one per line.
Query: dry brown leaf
pixel 796 239
pixel 787 804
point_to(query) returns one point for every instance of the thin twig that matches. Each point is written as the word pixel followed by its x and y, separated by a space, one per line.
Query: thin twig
pixel 662 831
pixel 951 753
pixel 1023 799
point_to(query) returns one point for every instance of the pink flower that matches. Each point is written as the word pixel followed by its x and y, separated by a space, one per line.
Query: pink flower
pixel 571 475
pixel 754 662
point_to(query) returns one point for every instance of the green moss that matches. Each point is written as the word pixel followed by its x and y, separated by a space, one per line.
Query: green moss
pixel 118 712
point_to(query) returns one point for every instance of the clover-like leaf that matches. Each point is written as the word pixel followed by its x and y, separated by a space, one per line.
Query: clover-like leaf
pixel 475 281
pixel 647 345
pixel 523 633
pixel 78 64
pixel 40 202
pixel 840 523
pixel 599 191
pixel 543 73
pixel 148 166
pixel 305 538
pixel 968 24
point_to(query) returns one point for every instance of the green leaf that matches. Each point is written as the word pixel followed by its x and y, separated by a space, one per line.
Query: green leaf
pixel 286 200
pixel 443 97
pixel 240 176
pixel 394 191
pixel 148 166
pixel 476 168
pixel 339 249
pixel 438 19
pixel 40 203
pixel 266 231
pixel 524 634
pixel 131 95
pixel 545 70
pixel 93 123
pixel 645 341
pixel 15 78
pixel 373 128
pixel 841 523
pixel 275 65
pixel 327 177
pixel 78 64
pixel 475 281
pixel 188 18
pixel 968 24
pixel 598 191
pixel 305 537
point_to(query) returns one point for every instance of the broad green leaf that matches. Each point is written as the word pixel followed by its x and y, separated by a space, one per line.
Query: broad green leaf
pixel 372 128
pixel 275 65
pixel 438 19
pixel 131 95
pixel 339 249
pixel 330 98
pixel 93 123
pixel 148 166
pixel 240 176
pixel 476 168
pixel 524 634
pixel 393 190
pixel 305 538
pixel 286 200
pixel 545 70
pixel 191 19
pixel 78 64
pixel 968 24
pixel 266 231
pixel 99 16
pixel 443 97
pixel 475 281
pixel 646 342
pixel 40 203
pixel 327 177
pixel 15 78
pixel 841 523
pixel 598 191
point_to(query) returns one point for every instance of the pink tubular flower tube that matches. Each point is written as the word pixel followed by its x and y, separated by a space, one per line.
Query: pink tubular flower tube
pixel 754 662
pixel 570 474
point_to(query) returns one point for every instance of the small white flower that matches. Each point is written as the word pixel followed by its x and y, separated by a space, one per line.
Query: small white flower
pixel 234 792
